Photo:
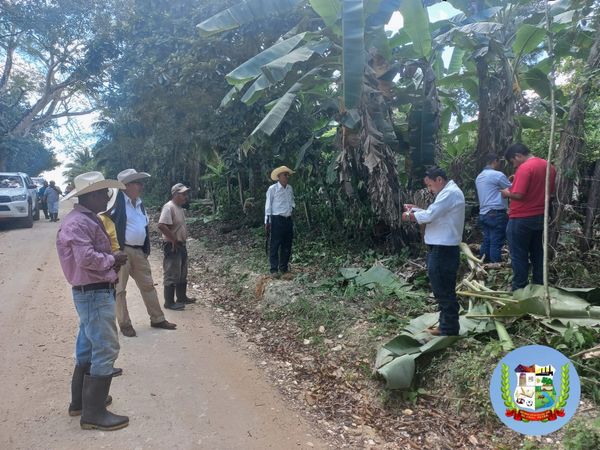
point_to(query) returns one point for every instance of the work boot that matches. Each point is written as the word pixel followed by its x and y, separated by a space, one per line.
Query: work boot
pixel 169 294
pixel 181 290
pixel 94 415
pixel 77 388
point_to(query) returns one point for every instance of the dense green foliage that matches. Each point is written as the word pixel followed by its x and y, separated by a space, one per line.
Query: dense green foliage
pixel 216 94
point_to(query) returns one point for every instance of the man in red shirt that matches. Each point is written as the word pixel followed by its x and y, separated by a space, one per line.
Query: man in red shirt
pixel 526 214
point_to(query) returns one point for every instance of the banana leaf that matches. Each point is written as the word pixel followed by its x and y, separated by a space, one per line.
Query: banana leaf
pixel 252 68
pixel 353 57
pixel 329 10
pixel 528 38
pixel 246 11
pixel 395 360
pixel 416 25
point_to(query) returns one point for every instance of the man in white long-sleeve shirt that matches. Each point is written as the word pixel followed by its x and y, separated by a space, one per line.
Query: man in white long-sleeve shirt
pixel 278 219
pixel 444 222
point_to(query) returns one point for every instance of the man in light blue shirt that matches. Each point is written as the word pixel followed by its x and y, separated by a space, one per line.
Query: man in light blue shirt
pixel 278 220
pixel 444 222
pixel 492 209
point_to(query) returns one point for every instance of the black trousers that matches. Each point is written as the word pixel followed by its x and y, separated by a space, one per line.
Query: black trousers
pixel 282 235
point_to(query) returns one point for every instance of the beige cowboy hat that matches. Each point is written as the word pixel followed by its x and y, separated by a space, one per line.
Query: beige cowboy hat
pixel 282 169
pixel 131 175
pixel 90 182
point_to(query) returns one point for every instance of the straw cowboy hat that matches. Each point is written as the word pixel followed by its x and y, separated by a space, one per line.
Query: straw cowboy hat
pixel 131 175
pixel 90 182
pixel 282 169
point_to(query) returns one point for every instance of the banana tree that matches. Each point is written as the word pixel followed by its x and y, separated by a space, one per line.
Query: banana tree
pixel 340 58
pixel 503 45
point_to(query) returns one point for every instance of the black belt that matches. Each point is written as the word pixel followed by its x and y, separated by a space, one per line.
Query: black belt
pixel 283 217
pixel 139 247
pixel 94 287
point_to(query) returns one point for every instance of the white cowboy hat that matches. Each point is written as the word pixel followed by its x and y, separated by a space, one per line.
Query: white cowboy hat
pixel 90 182
pixel 179 188
pixel 131 175
pixel 282 169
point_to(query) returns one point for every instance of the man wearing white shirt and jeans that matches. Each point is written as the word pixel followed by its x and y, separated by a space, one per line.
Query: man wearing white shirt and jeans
pixel 278 219
pixel 444 222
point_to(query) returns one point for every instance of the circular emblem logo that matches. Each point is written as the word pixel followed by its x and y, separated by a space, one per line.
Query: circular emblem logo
pixel 535 390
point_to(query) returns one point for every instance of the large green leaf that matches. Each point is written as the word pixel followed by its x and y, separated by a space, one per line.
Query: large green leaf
pixel 399 372
pixel 481 28
pixel 416 24
pixel 277 69
pixel 329 10
pixel 537 80
pixel 252 68
pixel 246 11
pixel 456 60
pixel 274 117
pixel 353 57
pixel 282 105
pixel 256 90
pixel 528 38
pixel 422 136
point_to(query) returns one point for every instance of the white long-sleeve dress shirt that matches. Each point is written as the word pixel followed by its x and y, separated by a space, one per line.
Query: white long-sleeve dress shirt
pixel 445 218
pixel 280 201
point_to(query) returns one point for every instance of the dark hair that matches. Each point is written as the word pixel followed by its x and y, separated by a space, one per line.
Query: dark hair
pixel 512 151
pixel 490 158
pixel 434 172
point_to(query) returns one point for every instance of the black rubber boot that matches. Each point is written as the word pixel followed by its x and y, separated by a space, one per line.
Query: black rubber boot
pixel 169 294
pixel 181 290
pixel 77 388
pixel 94 415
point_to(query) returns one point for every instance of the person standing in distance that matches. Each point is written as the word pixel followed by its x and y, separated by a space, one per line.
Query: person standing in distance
pixel 444 222
pixel 525 228
pixel 175 262
pixel 278 220
pixel 492 209
pixel 91 268
pixel 131 223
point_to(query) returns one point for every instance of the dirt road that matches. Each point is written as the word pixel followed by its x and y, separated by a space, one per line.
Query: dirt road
pixel 185 389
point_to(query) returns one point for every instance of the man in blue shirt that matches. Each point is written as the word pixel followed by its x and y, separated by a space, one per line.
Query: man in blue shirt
pixel 492 209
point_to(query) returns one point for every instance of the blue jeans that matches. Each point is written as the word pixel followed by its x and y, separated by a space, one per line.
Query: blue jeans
pixel 97 341
pixel 525 242
pixel 493 225
pixel 442 268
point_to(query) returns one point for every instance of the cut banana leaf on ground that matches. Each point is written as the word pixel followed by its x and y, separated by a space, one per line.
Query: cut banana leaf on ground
pixel 378 276
pixel 395 360
pixel 566 306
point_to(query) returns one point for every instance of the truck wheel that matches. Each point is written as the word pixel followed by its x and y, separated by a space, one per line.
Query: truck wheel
pixel 27 222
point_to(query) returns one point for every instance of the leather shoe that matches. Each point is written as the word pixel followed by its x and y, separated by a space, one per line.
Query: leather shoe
pixel 117 372
pixel 434 331
pixel 165 325
pixel 128 331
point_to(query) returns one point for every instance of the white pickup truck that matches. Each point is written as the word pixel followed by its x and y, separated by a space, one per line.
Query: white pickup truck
pixel 18 198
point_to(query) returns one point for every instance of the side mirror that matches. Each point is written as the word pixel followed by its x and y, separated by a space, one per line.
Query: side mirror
pixel 32 186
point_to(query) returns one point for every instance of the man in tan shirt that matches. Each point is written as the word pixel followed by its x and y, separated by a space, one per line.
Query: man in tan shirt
pixel 172 225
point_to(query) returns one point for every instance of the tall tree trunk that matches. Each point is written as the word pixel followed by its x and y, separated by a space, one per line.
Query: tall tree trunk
pixel 496 119
pixel 571 140
pixel 593 204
